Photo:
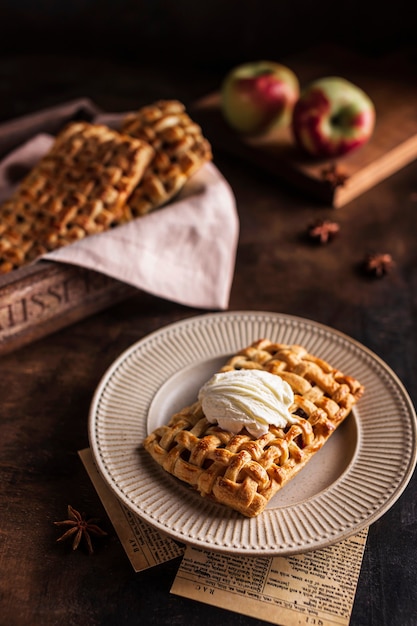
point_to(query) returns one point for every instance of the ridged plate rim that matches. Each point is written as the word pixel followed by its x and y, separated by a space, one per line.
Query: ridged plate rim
pixel 380 471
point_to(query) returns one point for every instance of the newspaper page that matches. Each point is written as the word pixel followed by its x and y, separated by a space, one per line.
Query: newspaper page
pixel 144 546
pixel 313 589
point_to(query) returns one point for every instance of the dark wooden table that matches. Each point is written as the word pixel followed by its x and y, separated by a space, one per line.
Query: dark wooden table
pixel 46 387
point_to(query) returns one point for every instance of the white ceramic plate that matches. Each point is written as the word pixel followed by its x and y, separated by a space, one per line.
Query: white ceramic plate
pixel 355 478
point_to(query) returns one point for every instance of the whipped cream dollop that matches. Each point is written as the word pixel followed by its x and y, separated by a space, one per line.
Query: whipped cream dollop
pixel 251 399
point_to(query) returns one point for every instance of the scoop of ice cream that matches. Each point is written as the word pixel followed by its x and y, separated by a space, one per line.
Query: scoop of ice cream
pixel 251 399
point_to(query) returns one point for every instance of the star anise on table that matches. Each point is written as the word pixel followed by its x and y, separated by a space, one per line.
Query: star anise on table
pixel 378 264
pixel 79 528
pixel 323 231
pixel 335 175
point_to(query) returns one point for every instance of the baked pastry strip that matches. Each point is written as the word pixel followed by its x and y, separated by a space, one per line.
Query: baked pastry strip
pixel 243 472
pixel 180 150
pixel 78 188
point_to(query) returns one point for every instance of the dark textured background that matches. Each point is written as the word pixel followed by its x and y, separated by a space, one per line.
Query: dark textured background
pixel 51 51
pixel 191 32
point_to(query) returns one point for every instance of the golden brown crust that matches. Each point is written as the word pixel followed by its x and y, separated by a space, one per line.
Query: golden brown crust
pixel 94 178
pixel 180 150
pixel 78 188
pixel 243 472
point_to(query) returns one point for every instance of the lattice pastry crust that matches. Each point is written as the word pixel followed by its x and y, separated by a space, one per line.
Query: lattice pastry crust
pixel 243 472
pixel 78 188
pixel 180 150
pixel 95 178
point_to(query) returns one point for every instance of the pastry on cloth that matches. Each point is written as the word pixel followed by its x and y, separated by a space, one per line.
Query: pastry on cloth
pixel 255 424
pixel 180 150
pixel 78 188
pixel 93 178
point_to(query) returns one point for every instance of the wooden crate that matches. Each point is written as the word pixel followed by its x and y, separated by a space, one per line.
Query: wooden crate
pixel 42 298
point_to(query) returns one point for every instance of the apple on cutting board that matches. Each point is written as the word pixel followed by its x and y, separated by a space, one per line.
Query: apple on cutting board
pixel 259 96
pixel 332 117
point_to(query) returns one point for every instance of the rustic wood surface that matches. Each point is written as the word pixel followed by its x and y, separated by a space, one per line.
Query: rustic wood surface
pixel 46 387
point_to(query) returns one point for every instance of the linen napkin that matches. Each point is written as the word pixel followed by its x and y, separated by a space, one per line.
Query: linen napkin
pixel 183 252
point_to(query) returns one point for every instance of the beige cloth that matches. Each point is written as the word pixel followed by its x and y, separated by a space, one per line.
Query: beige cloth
pixel 183 252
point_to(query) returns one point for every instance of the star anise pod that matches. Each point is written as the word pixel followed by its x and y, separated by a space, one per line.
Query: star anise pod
pixel 323 231
pixel 78 528
pixel 378 264
pixel 334 175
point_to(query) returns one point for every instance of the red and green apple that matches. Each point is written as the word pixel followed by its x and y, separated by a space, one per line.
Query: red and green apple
pixel 332 117
pixel 259 96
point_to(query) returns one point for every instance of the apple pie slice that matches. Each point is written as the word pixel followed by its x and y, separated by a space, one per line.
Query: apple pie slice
pixel 78 188
pixel 243 470
pixel 180 150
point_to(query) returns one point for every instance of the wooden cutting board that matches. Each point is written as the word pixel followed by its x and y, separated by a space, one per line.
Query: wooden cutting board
pixel 336 182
